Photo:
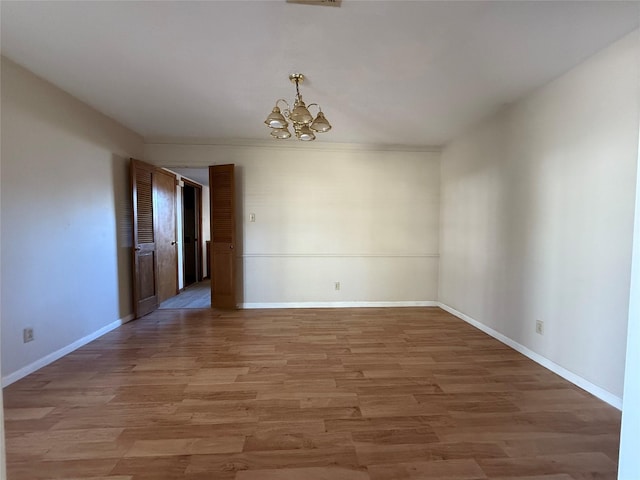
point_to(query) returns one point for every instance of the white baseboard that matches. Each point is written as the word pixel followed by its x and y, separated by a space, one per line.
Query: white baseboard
pixel 595 390
pixel 337 304
pixel 52 357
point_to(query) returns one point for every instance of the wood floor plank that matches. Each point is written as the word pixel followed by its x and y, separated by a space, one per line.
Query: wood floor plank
pixel 592 463
pixel 330 457
pixel 153 468
pixel 353 394
pixel 464 469
pixel 49 470
pixel 186 446
pixel 312 473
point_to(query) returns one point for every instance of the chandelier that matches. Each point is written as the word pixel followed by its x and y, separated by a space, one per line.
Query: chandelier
pixel 304 125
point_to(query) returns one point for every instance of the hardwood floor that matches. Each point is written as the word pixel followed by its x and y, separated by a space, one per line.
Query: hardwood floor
pixel 344 394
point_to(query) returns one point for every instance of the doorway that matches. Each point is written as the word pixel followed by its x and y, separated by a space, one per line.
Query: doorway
pixel 191 233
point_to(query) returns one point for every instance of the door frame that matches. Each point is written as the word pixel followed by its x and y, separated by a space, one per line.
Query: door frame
pixel 198 213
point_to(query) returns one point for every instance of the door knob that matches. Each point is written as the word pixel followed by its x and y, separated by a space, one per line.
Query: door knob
pixel 231 247
pixel 173 243
pixel 138 249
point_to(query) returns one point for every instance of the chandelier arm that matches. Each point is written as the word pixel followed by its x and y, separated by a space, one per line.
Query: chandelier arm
pixel 312 104
pixel 285 102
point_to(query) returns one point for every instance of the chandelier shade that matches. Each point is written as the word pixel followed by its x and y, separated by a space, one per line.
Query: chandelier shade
pixel 320 123
pixel 305 134
pixel 276 119
pixel 304 124
pixel 281 133
pixel 300 114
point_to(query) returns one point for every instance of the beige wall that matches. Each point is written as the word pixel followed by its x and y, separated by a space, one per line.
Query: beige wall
pixel 537 217
pixel 325 214
pixel 66 268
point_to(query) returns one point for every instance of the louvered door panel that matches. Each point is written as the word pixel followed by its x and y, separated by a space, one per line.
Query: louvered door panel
pixel 222 207
pixel 144 204
pixel 223 236
pixel 145 288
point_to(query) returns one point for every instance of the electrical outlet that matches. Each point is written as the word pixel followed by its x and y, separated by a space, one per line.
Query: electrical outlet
pixel 27 335
pixel 337 285
pixel 539 327
pixel 252 217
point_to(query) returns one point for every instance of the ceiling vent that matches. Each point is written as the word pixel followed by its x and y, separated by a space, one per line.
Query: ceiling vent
pixel 322 3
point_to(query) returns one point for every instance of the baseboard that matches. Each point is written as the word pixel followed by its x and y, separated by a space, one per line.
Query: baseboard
pixel 338 304
pixel 52 357
pixel 577 380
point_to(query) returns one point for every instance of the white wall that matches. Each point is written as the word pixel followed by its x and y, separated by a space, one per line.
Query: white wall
pixel 537 217
pixel 66 226
pixel 206 228
pixel 179 228
pixel 326 214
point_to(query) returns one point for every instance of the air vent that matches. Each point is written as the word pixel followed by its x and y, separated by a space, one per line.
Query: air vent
pixel 322 3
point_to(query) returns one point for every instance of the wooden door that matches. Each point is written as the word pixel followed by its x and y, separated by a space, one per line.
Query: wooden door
pixel 164 189
pixel 145 270
pixel 223 236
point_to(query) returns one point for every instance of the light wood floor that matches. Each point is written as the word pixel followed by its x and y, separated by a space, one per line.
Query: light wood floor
pixel 345 394
pixel 197 295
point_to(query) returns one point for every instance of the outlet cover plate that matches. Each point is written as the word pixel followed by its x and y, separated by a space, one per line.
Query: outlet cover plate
pixel 27 335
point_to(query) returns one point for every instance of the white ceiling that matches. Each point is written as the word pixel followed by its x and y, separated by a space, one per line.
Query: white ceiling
pixel 385 72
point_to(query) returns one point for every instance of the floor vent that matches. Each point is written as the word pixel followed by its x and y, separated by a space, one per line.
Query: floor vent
pixel 322 3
